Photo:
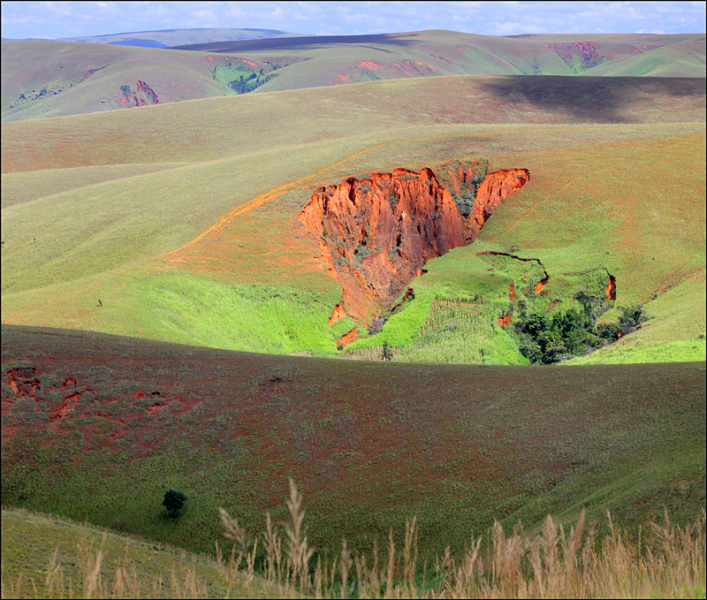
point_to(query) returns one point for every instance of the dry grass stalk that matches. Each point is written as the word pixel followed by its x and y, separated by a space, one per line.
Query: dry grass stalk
pixel 273 550
pixel 344 567
pixel 299 553
pixel 391 566
pixel 410 554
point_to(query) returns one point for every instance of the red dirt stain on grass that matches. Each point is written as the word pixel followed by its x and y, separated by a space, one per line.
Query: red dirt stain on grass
pixel 68 404
pixel 69 383
pixel 155 408
pixel 504 321
pixel 512 293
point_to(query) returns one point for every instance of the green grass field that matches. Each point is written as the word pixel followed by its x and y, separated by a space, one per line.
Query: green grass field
pixel 99 427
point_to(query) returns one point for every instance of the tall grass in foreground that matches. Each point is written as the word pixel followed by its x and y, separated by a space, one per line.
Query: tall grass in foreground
pixel 669 562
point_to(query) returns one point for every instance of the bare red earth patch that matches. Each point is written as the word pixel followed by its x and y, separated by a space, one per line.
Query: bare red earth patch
pixel 347 338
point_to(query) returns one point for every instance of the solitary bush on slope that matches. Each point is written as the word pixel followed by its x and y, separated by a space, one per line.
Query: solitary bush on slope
pixel 173 502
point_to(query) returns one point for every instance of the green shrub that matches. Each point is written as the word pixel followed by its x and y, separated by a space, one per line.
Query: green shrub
pixel 631 317
pixel 551 339
pixel 173 502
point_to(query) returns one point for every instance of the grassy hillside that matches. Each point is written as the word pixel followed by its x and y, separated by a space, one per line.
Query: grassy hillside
pixel 128 566
pixel 192 234
pixel 66 78
pixel 350 59
pixel 174 226
pixel 667 562
pixel 97 427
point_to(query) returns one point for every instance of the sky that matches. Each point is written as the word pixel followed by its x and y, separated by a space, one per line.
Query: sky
pixel 53 20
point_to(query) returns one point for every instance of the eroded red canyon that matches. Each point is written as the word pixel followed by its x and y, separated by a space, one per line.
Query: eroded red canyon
pixel 376 234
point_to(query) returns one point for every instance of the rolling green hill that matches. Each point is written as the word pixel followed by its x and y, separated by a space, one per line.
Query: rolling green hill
pixel 191 233
pixel 65 79
pixel 97 427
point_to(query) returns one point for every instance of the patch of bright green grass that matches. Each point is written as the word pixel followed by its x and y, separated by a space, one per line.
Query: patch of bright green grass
pixel 200 310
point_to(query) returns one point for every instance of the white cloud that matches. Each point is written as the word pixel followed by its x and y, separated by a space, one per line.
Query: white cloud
pixel 205 14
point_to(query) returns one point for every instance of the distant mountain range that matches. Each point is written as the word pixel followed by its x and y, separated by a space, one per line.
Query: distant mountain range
pixel 165 38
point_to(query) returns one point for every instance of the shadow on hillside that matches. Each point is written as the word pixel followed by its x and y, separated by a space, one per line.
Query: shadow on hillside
pixel 593 99
pixel 302 43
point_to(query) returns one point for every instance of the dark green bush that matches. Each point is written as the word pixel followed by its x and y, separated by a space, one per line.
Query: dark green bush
pixel 174 502
pixel 631 317
pixel 549 339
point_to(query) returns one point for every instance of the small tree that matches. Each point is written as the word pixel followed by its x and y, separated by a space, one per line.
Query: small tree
pixel 173 502
pixel 387 352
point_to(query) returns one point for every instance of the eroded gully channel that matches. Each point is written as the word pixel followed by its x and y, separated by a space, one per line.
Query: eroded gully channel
pixel 377 234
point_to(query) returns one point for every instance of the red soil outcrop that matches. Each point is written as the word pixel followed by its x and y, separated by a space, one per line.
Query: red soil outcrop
pixel 131 98
pixel 23 382
pixel 587 52
pixel 504 321
pixel 512 293
pixel 377 234
pixel 339 313
pixel 148 91
pixel 494 189
pixel 611 289
pixel 540 285
pixel 347 338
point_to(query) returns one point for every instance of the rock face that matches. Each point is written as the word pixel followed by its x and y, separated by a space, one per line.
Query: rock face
pixel 339 313
pixel 611 289
pixel 131 98
pixel 378 233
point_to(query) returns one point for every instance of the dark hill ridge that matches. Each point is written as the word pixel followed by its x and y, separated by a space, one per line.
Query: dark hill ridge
pixel 96 427
pixel 162 38
pixel 301 42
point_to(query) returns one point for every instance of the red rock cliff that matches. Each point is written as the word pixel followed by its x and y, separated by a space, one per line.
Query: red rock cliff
pixel 376 234
pixel 494 189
